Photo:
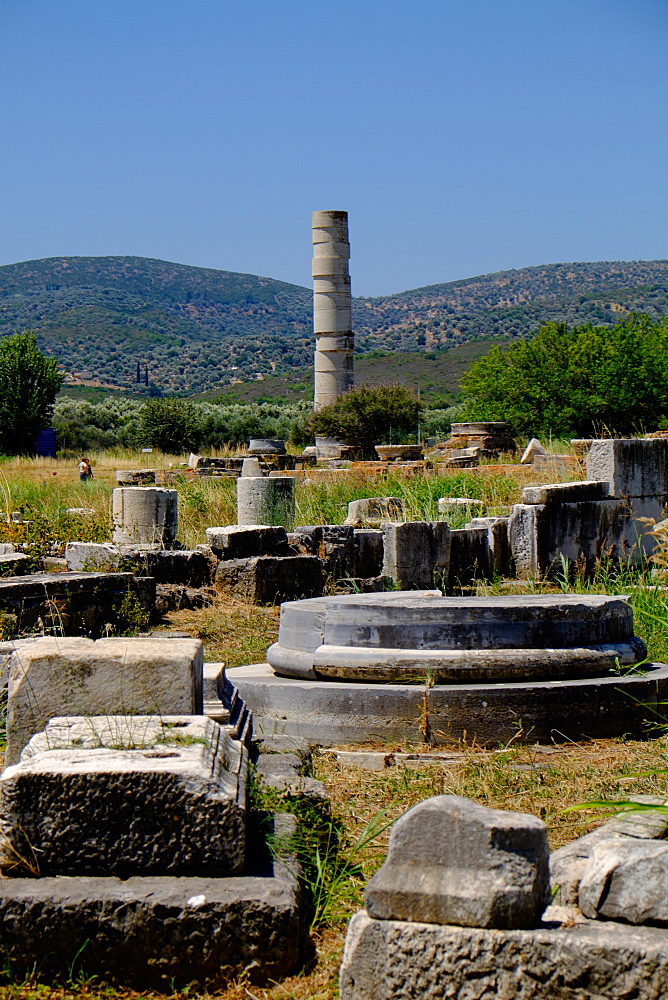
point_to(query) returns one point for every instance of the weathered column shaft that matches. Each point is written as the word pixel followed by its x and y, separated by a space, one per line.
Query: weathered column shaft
pixel 332 323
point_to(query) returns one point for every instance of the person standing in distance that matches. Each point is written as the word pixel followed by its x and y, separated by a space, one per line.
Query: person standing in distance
pixel 85 471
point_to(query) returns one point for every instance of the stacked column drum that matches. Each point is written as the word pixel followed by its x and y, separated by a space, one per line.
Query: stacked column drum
pixel 332 322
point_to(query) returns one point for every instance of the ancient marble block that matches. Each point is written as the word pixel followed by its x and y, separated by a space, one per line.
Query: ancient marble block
pixel 593 960
pixel 497 541
pixel 634 467
pixel 532 451
pixel 372 510
pixel 188 567
pixel 85 556
pixel 626 879
pixel 125 795
pixel 270 579
pixel 241 541
pixel 542 535
pixel 54 677
pixel 567 492
pixel 407 557
pixel 568 863
pixel 452 861
pixel 471 556
pixel 368 552
pixel 161 932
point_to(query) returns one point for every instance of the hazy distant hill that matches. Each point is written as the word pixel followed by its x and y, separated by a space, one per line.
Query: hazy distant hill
pixel 200 330
pixel 512 303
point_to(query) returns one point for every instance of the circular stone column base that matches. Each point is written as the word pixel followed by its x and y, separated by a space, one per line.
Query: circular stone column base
pixel 334 713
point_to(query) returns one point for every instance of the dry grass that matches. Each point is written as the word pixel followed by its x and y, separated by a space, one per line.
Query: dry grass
pixel 232 632
pixel 539 780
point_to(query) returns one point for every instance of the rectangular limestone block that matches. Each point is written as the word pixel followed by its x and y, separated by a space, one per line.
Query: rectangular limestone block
pixel 160 932
pixel 53 677
pixel 72 603
pixel 271 579
pixel 567 492
pixel 634 467
pixel 125 795
pixel 85 556
pixel 471 557
pixel 190 568
pixel 399 960
pixel 454 861
pixel 336 551
pixel 497 538
pixel 368 552
pixel 408 554
pixel 370 511
pixel 239 541
pixel 542 535
pixel 568 863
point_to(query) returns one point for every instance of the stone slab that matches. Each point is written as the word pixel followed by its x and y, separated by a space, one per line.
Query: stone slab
pixel 238 541
pixel 368 544
pixel 158 932
pixel 532 450
pixel 14 564
pixel 87 556
pixel 125 795
pixel 576 492
pixel 470 557
pixel 72 603
pixel 398 960
pixel 340 713
pixel 626 880
pixel 453 861
pixel 271 579
pixel 568 863
pixel 54 677
pixel 372 510
pixel 543 536
pixel 190 568
pixel 407 554
pixel 497 541
pixel 634 467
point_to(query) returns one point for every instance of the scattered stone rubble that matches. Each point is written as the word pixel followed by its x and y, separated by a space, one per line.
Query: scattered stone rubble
pixel 469 442
pixel 609 516
pixel 128 836
pixel 459 909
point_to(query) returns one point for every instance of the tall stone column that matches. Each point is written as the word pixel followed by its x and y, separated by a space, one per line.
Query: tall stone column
pixel 331 307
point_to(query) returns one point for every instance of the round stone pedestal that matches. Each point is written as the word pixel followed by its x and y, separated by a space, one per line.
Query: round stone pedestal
pixel 335 713
pixel 409 636
pixel 418 666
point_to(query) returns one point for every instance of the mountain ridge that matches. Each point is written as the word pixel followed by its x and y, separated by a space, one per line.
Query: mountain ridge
pixel 202 329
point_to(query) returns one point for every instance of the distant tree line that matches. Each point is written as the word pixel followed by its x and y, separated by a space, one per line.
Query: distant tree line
pixel 177 425
pixel 576 381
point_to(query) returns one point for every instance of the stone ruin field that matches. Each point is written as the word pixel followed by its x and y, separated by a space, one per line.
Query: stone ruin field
pixel 369 785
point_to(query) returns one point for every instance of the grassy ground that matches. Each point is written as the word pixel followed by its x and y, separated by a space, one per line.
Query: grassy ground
pixel 47 493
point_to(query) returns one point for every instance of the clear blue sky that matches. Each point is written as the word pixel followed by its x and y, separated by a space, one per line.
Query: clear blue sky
pixel 462 137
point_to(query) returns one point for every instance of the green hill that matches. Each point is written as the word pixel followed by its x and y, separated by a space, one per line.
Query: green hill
pixel 202 331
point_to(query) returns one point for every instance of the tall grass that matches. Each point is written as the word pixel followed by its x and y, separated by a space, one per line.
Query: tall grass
pixel 42 490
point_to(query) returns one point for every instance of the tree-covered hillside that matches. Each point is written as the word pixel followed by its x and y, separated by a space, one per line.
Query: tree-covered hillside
pixel 201 330
pixel 512 304
pixel 194 327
